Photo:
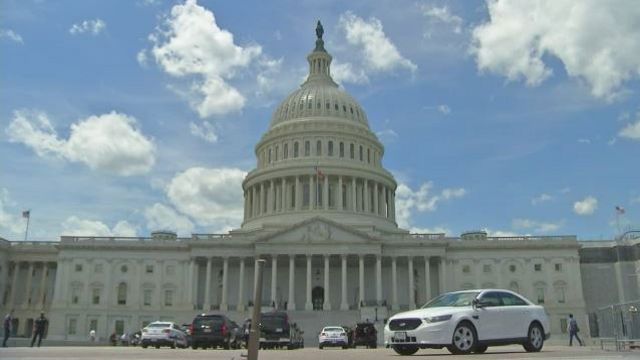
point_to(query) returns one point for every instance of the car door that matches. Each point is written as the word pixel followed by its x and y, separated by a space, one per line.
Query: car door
pixel 516 315
pixel 488 316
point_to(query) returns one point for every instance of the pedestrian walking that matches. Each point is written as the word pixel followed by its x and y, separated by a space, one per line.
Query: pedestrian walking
pixel 39 326
pixel 7 327
pixel 573 330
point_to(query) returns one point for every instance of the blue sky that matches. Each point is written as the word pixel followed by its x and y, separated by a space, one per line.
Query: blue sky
pixel 119 118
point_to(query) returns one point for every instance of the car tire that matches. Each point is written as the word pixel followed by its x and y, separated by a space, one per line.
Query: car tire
pixel 405 350
pixel 144 346
pixel 157 346
pixel 480 349
pixel 373 346
pixel 226 345
pixel 320 347
pixel 464 339
pixel 194 346
pixel 345 347
pixel 535 338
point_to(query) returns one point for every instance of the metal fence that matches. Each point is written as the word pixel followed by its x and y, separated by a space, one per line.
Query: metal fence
pixel 620 321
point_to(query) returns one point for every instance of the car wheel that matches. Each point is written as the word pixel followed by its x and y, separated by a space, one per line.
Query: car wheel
pixel 157 346
pixel 144 346
pixel 194 346
pixel 405 349
pixel 226 345
pixel 373 346
pixel 345 347
pixel 463 340
pixel 480 349
pixel 535 339
pixel 320 346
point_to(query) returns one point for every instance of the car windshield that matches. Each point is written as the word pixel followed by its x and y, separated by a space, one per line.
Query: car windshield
pixel 452 299
pixel 209 322
pixel 333 329
pixel 274 322
pixel 159 325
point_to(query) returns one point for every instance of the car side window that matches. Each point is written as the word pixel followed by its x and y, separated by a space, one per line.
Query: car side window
pixel 491 299
pixel 512 300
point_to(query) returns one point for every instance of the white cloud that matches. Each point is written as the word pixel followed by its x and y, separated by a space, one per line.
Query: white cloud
pixel 536 226
pixel 162 217
pixel 10 219
pixel 74 226
pixel 378 52
pixel 11 36
pixel 108 142
pixel 635 200
pixel 541 198
pixel 596 41
pixel 387 135
pixel 444 109
pixel 212 197
pixel 142 58
pixel 205 131
pixel 346 73
pixel 93 27
pixel 501 233
pixel 190 45
pixel 584 141
pixel 444 15
pixel 587 206
pixel 433 230
pixel 631 131
pixel 408 201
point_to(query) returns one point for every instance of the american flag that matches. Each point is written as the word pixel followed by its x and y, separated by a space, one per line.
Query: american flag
pixel 619 210
pixel 319 173
pixel 26 214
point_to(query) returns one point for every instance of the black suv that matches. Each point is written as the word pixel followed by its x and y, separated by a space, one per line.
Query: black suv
pixel 277 332
pixel 365 334
pixel 211 330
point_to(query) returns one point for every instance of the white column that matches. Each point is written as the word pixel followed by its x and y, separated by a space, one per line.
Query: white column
pixel 412 300
pixel 360 280
pixel 394 283
pixel 325 193
pixel 240 306
pixel 308 305
pixel 192 281
pixel 43 284
pixel 25 302
pixel 375 198
pixel 365 198
pixel 354 204
pixel 327 285
pixel 207 287
pixel 274 279
pixel 298 193
pixel 443 275
pixel 225 277
pixel 14 284
pixel 343 303
pixel 379 279
pixel 283 201
pixel 291 304
pixel 427 279
pixel 577 280
pixel 340 194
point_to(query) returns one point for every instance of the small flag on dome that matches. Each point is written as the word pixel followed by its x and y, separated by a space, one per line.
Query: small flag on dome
pixel 620 210
pixel 26 214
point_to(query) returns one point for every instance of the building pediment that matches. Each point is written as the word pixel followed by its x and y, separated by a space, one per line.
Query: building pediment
pixel 318 230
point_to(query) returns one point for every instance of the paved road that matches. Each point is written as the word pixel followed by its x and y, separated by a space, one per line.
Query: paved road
pixel 117 353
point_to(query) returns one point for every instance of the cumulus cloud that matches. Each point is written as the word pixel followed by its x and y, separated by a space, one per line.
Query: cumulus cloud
pixel 75 226
pixel 346 73
pixel 631 131
pixel 205 131
pixel 11 36
pixel 10 218
pixel 536 226
pixel 443 15
pixel 189 45
pixel 431 230
pixel 93 27
pixel 501 233
pixel 212 197
pixel 541 199
pixel 378 53
pixel 596 41
pixel 421 200
pixel 108 142
pixel 162 217
pixel 587 206
pixel 444 109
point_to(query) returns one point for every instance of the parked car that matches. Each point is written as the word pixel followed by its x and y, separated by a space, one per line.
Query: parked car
pixel 237 335
pixel 333 336
pixel 365 334
pixel 277 332
pixel 163 333
pixel 211 330
pixel 186 329
pixel 469 321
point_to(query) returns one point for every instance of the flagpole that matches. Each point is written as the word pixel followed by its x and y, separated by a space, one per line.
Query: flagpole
pixel 26 231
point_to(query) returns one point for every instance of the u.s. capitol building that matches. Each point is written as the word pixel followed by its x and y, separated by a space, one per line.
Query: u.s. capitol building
pixel 320 208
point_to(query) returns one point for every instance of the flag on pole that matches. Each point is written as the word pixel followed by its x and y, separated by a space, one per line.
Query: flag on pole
pixel 620 210
pixel 26 214
pixel 319 173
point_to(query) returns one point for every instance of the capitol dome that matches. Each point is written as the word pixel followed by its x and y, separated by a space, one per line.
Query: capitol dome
pixel 319 158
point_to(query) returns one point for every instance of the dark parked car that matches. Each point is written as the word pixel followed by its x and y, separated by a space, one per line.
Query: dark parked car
pixel 277 332
pixel 211 330
pixel 365 334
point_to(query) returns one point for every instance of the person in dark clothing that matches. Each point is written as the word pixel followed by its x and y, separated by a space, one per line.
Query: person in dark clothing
pixel 573 330
pixel 7 327
pixel 39 326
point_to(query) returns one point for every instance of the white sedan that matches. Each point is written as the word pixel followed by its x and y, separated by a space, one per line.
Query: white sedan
pixel 163 333
pixel 469 321
pixel 333 336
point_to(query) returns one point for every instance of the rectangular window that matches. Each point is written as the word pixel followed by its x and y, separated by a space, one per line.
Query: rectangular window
pixel 95 296
pixel 168 298
pixel 149 269
pixel 307 148
pixel 330 149
pixel 146 297
pixel 540 295
pixel 341 149
pixel 560 294
pixel 75 295
pixel 558 267
pixel 369 156
pixel 537 267
pixel 73 324
pixel 295 149
pixel 361 159
pixel 171 270
pixel 466 269
pixel 285 150
pixel 486 268
pixel 319 148
pixel 93 324
pixel 98 269
pixel 352 151
pixel 78 267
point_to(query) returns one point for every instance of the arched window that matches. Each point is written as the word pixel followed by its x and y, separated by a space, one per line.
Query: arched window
pixel 307 148
pixel 560 289
pixel 122 294
pixel 368 155
pixel 285 150
pixel 330 148
pixel 341 149
pixel 319 148
pixel 352 151
pixel 361 157
pixel 295 149
pixel 540 292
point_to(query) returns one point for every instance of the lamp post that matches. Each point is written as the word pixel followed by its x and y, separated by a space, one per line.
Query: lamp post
pixel 254 333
